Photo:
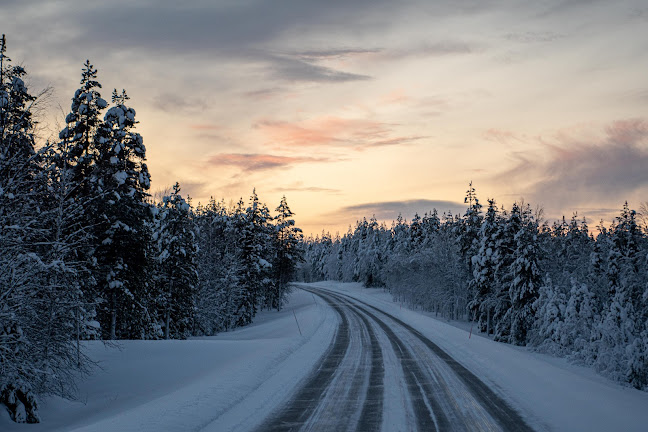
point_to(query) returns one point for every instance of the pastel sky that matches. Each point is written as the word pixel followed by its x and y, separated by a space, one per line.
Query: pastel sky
pixel 354 108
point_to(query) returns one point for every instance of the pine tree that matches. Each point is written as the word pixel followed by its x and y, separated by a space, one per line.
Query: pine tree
pixel 581 317
pixel 122 223
pixel 506 247
pixel 484 265
pixel 525 279
pixel 83 123
pixel 288 253
pixel 468 230
pixel 176 274
pixel 255 238
pixel 549 325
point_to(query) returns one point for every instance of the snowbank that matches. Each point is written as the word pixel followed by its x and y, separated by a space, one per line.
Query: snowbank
pixel 212 383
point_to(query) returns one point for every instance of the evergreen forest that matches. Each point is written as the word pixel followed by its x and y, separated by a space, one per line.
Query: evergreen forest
pixel 561 288
pixel 87 253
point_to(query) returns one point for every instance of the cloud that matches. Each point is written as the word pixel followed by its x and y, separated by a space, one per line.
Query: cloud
pixel 171 103
pixel 503 136
pixel 437 49
pixel 299 187
pixel 427 49
pixel 193 188
pixel 533 37
pixel 576 169
pixel 332 131
pixel 294 69
pixel 209 27
pixel 264 93
pixel 335 53
pixel 389 210
pixel 259 162
pixel 642 95
pixel 168 33
pixel 202 127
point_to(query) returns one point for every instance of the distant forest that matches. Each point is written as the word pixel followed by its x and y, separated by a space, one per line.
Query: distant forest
pixel 558 288
pixel 86 253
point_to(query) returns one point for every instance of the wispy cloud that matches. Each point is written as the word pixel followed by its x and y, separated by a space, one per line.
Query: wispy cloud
pixel 503 136
pixel 193 188
pixel 259 162
pixel 204 127
pixel 332 131
pixel 533 37
pixel 300 187
pixel 296 69
pixel 389 210
pixel 264 93
pixel 335 53
pixel 170 102
pixel 424 49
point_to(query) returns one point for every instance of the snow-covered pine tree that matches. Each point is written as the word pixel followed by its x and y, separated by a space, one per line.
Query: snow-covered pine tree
pixel 256 269
pixel 176 274
pixel 370 253
pixel 525 278
pixel 208 317
pixel 415 231
pixel 470 226
pixel 122 235
pixel 484 266
pixel 581 318
pixel 549 326
pixel 288 253
pixel 218 268
pixel 431 223
pixel 505 247
pixel 83 122
pixel 19 280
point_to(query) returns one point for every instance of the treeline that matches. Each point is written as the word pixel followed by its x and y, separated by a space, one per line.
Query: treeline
pixel 558 288
pixel 86 253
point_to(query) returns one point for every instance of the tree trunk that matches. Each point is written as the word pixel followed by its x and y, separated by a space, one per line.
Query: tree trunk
pixel 113 317
pixel 488 321
pixel 78 336
pixel 167 323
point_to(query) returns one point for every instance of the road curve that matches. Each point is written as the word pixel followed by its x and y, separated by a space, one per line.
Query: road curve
pixel 379 373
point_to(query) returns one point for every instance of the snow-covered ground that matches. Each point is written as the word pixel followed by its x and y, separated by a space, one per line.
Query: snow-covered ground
pixel 210 383
pixel 550 392
pixel 232 381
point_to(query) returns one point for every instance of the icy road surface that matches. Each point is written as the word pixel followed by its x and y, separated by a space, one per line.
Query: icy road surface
pixel 381 374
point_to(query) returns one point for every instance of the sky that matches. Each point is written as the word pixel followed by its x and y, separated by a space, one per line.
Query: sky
pixel 361 108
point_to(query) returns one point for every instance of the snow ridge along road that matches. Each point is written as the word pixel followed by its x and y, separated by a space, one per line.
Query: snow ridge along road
pixel 381 374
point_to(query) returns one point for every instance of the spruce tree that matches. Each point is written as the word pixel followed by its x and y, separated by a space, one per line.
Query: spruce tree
pixel 484 265
pixel 83 123
pixel 176 273
pixel 525 279
pixel 288 253
pixel 255 242
pixel 468 230
pixel 122 235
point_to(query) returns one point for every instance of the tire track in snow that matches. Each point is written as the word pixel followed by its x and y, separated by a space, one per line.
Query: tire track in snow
pixel 345 390
pixel 503 414
pixel 423 394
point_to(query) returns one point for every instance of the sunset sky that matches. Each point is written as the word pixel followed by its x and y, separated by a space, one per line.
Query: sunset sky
pixel 354 108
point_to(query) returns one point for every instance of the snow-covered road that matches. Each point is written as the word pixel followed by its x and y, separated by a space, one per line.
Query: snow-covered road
pixel 381 374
